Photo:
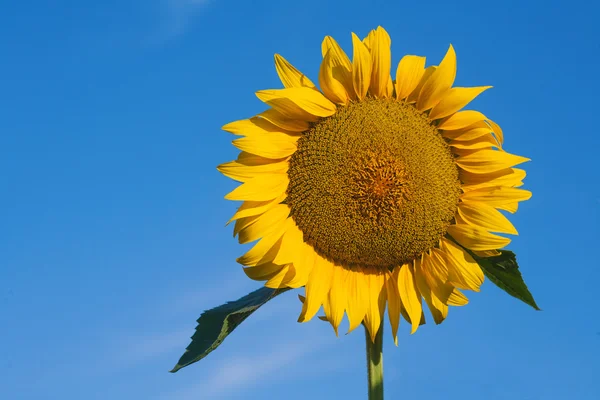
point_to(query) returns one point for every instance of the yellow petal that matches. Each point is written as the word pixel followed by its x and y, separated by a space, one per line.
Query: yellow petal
pixel 407 317
pixel 509 177
pixel 469 132
pixel 261 188
pixel 461 119
pixel 242 172
pixel 264 251
pixel 361 67
pixel 290 76
pixel 264 224
pixel 394 304
pixel 487 253
pixel 330 45
pixel 411 299
pixel 497 196
pixel 369 39
pixel 438 310
pixel 251 208
pixel 291 243
pixel 278 119
pixel 455 99
pixel 408 75
pixel 463 270
pixel 357 298
pixel 463 135
pixel 458 219
pixel 342 67
pixel 486 161
pixel 274 145
pixel 327 311
pixel 439 82
pixel 254 160
pixel 486 141
pixel 481 215
pixel 298 102
pixel 317 288
pixel 338 296
pixel 381 57
pixel 263 272
pixel 414 95
pixel 435 273
pixel 476 238
pixel 280 279
pixel 497 130
pixel 252 126
pixel 457 298
pixel 331 78
pixel 244 222
pixel 303 264
pixel 377 300
pixel 390 88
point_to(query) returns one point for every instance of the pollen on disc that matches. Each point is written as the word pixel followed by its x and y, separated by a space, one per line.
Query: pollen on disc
pixel 374 185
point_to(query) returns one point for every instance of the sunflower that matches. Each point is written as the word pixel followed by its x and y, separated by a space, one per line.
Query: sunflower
pixel 372 192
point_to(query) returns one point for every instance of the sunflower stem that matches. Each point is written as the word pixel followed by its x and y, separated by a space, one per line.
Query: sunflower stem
pixel 375 363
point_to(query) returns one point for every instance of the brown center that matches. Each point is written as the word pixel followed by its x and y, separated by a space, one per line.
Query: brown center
pixel 373 185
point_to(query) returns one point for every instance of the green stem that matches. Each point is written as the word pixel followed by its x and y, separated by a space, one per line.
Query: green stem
pixel 375 364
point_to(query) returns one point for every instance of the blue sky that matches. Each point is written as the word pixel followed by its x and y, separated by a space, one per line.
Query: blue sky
pixel 113 234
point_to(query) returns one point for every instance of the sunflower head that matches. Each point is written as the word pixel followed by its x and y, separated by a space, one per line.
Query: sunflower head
pixel 372 191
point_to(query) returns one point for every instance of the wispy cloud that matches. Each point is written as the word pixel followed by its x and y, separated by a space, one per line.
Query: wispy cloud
pixel 180 14
pixel 242 372
pixel 140 348
pixel 196 300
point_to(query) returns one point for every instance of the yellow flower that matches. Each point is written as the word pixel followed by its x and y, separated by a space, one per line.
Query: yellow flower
pixel 367 191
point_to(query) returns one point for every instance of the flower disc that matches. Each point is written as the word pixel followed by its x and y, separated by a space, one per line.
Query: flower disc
pixel 374 185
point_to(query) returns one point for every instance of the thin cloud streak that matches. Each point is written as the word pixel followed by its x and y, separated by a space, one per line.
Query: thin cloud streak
pixel 180 15
pixel 140 349
pixel 198 300
pixel 238 373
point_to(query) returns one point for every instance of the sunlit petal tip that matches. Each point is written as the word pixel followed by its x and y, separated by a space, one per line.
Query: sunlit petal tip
pixel 381 59
pixel 298 102
pixel 408 75
pixel 464 272
pixel 361 67
pixel 317 287
pixel 329 44
pixel 488 161
pixel 487 217
pixel 393 300
pixel 409 295
pixel 439 82
pixel 241 127
pixel 497 130
pixel 286 124
pixel 262 272
pixel 290 76
pixel 461 119
pixel 454 100
pixel 477 238
pixel 331 80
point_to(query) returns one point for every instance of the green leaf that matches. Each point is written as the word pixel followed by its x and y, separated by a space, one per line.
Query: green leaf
pixel 216 324
pixel 503 271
